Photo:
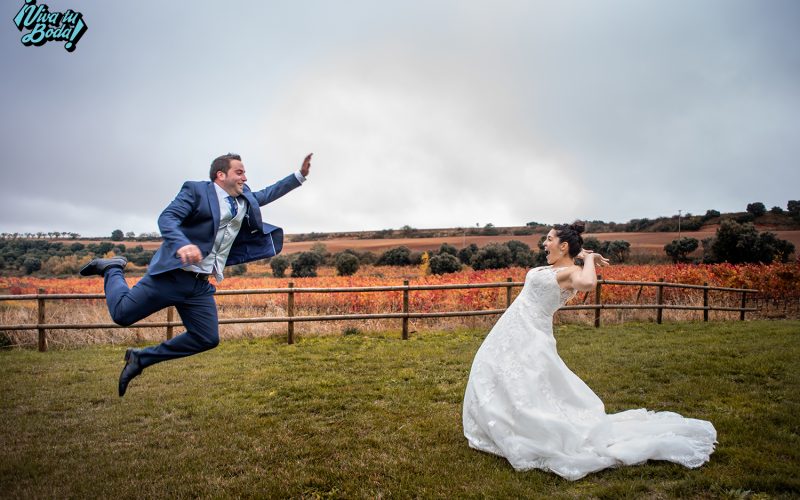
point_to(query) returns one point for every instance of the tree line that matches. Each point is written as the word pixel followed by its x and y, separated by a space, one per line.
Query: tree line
pixel 27 256
pixel 736 241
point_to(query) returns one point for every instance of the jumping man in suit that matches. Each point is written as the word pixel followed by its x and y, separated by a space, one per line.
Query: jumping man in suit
pixel 209 224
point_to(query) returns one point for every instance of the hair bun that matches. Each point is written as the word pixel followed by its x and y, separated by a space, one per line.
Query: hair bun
pixel 578 226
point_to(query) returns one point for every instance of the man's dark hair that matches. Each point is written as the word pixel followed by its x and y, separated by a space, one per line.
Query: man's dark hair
pixel 222 164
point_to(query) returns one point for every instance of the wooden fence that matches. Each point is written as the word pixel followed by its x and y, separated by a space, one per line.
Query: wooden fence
pixel 42 326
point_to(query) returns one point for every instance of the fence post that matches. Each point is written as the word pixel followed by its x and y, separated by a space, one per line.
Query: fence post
pixel 705 301
pixel 405 310
pixel 40 321
pixel 660 301
pixel 598 301
pixel 508 294
pixel 290 313
pixel 744 304
pixel 170 315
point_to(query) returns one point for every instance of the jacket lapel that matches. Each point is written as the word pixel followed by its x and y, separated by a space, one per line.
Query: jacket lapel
pixel 213 201
pixel 253 211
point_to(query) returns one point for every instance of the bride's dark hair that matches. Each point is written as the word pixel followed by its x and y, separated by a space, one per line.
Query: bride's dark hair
pixel 571 233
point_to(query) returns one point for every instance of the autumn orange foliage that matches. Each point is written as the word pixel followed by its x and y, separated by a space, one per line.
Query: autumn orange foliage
pixel 775 281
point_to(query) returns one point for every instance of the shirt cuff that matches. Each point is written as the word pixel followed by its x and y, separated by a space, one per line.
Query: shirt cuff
pixel 300 177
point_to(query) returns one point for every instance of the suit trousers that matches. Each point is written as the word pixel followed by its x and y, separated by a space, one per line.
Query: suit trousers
pixel 193 299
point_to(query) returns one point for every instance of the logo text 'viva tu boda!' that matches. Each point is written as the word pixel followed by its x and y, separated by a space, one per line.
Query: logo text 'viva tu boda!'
pixel 47 26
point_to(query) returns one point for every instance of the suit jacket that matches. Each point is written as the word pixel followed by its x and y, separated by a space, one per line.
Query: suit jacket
pixel 193 218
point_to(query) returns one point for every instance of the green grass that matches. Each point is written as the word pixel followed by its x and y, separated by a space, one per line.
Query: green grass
pixel 368 415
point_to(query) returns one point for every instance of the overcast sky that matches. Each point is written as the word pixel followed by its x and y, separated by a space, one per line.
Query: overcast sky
pixel 427 113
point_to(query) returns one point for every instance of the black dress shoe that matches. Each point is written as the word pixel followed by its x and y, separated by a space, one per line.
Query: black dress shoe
pixel 98 266
pixel 130 371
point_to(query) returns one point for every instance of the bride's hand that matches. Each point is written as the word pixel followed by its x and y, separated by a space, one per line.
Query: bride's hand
pixel 599 260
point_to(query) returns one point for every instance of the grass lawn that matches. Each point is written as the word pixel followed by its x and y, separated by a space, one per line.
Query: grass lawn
pixel 369 415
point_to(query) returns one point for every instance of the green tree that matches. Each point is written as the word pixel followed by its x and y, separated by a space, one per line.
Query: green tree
pixel 679 249
pixel 521 254
pixel 757 209
pixel 445 248
pixel 31 264
pixel 465 254
pixel 710 214
pixel 117 235
pixel 444 263
pixel 492 256
pixel 593 244
pixel 279 264
pixel 397 256
pixel 741 243
pixel 305 265
pixel 793 207
pixel 346 264
pixel 236 270
pixel 618 251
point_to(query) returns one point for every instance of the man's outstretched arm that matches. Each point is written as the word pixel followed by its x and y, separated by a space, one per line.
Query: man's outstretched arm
pixel 283 186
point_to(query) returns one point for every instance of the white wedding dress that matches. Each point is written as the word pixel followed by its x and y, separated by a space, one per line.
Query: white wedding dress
pixel 524 404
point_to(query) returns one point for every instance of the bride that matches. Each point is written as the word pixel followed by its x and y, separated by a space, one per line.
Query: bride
pixel 523 403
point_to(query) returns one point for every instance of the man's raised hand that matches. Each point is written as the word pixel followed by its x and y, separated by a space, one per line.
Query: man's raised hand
pixel 304 170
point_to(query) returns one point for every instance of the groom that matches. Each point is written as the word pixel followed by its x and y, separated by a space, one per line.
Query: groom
pixel 209 224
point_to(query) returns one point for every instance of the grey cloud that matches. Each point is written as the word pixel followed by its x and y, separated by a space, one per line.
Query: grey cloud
pixel 421 113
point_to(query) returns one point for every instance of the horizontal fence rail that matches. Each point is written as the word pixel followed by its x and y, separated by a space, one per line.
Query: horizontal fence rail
pixel 290 318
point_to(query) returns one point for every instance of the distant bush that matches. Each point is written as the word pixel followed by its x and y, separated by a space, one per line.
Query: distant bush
pixel 236 270
pixel 69 264
pixel 492 256
pixel 397 256
pixel 757 209
pixel 31 265
pixel 745 217
pixel 308 237
pixel 793 207
pixel 521 254
pixel 741 243
pixel 444 263
pixel 445 248
pixel 679 249
pixel 305 265
pixel 617 251
pixel 279 264
pixel 367 258
pixel 141 258
pixel 710 214
pixel 465 254
pixel 776 210
pixel 346 264
pixel 540 258
pixel 593 244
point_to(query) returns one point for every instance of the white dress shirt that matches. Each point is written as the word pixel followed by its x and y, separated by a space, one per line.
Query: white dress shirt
pixel 229 227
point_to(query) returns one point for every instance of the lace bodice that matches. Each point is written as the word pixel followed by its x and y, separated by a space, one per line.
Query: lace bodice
pixel 542 292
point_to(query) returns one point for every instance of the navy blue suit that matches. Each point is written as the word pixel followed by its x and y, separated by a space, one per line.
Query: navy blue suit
pixel 193 217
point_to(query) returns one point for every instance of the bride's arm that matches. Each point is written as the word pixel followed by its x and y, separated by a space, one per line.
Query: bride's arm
pixel 585 279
